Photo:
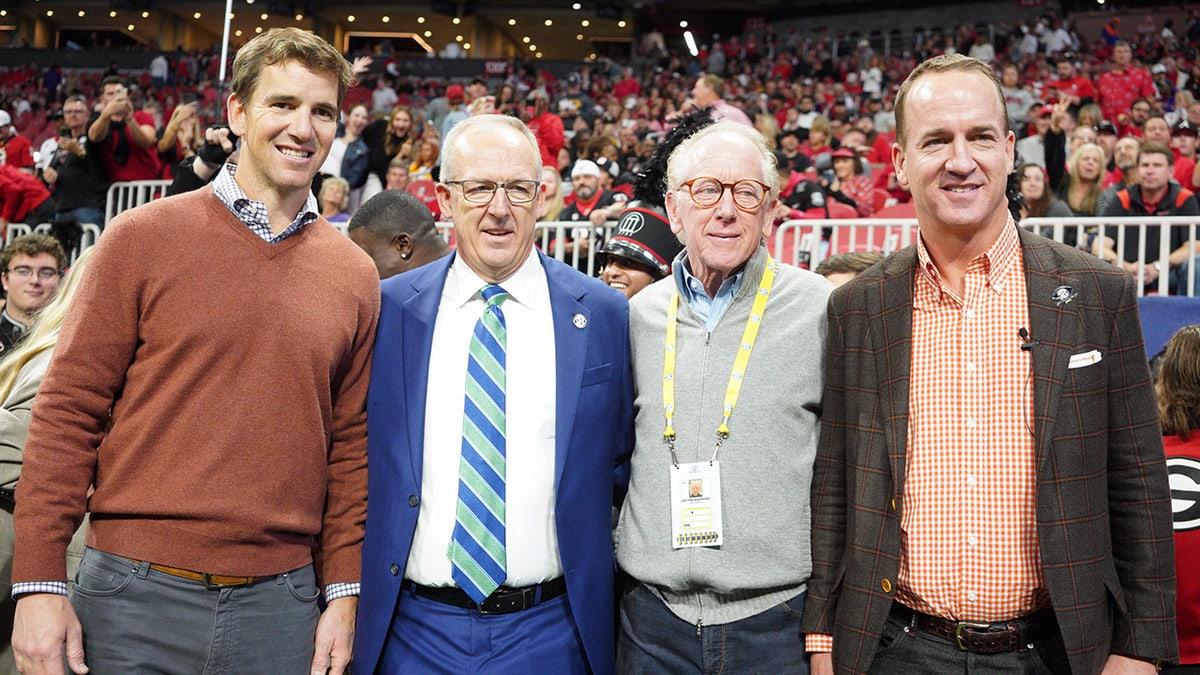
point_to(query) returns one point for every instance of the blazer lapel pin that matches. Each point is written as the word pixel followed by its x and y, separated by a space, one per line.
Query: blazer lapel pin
pixel 1063 295
pixel 580 321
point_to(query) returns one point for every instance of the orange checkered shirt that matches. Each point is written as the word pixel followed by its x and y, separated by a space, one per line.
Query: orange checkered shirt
pixel 969 548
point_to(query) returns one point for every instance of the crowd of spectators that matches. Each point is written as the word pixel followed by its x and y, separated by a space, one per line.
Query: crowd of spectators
pixel 824 106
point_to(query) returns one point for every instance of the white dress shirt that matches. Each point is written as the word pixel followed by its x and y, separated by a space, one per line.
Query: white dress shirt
pixel 532 543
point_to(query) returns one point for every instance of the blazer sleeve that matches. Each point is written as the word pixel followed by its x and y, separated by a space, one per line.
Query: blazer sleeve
pixel 1139 500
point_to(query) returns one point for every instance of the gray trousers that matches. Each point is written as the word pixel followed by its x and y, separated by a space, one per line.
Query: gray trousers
pixel 139 620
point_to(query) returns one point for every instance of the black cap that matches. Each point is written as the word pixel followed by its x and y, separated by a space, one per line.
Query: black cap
pixel 1184 127
pixel 608 165
pixel 1105 127
pixel 644 236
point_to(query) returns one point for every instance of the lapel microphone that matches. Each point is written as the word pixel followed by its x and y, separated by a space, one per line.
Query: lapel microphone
pixel 1027 344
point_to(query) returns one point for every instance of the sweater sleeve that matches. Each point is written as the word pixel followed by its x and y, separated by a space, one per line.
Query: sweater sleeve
pixel 97 344
pixel 345 517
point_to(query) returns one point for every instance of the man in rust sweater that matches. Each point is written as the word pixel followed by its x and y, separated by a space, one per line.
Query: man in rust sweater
pixel 206 406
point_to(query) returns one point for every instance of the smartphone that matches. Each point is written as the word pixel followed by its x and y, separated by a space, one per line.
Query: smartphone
pixel 65 132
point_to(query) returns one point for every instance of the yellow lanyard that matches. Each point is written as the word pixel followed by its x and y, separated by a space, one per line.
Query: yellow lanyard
pixel 734 388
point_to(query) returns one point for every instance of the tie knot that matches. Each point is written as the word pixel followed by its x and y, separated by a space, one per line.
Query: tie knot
pixel 493 295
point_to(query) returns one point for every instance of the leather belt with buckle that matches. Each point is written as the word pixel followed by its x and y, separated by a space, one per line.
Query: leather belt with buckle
pixel 210 581
pixel 503 600
pixel 982 638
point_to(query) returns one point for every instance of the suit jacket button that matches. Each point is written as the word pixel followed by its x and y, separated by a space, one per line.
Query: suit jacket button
pixel 887 586
pixel 395 569
pixel 893 503
pixel 413 500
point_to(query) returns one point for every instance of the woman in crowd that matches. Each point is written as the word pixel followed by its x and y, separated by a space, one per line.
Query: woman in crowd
pixel 1085 171
pixel 21 373
pixel 554 194
pixel 816 146
pixel 427 157
pixel 1036 200
pixel 1178 388
pixel 334 198
pixel 849 186
pixel 349 156
pixel 387 139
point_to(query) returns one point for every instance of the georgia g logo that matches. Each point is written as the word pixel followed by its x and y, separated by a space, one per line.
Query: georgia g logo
pixel 631 223
pixel 1184 475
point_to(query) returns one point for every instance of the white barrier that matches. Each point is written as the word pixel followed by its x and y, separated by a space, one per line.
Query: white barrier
pixel 125 195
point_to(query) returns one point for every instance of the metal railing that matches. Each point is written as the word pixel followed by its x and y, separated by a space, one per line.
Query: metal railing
pixel 125 195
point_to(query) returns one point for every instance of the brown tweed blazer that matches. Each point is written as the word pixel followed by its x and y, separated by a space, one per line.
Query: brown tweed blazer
pixel 1103 504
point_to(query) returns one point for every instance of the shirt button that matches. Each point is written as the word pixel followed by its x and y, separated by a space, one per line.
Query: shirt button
pixel 395 570
pixel 969 313
pixel 970 481
pixel 970 422
pixel 971 367
pixel 971 596
pixel 971 540
pixel 413 500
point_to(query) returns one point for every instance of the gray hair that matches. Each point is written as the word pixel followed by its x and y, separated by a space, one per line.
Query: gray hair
pixel 682 158
pixel 497 124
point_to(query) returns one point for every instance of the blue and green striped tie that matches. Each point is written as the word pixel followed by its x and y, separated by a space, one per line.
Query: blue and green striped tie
pixel 477 554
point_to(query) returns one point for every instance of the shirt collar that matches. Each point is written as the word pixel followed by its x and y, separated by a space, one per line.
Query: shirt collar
pixel 254 213
pixel 997 261
pixel 692 288
pixel 464 285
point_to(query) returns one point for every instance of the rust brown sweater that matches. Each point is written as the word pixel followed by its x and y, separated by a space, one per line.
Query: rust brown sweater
pixel 236 376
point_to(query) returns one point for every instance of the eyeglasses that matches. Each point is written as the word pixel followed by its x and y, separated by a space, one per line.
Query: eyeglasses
pixel 747 194
pixel 43 273
pixel 482 191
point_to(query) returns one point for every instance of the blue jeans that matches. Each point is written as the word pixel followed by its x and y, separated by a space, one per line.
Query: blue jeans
pixel 1179 277
pixel 653 640
pixel 85 214
pixel 139 620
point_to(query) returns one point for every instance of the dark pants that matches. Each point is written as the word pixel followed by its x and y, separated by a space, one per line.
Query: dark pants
pixel 905 650
pixel 139 620
pixel 653 640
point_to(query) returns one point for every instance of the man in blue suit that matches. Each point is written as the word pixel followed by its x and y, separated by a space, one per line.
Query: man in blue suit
pixel 506 567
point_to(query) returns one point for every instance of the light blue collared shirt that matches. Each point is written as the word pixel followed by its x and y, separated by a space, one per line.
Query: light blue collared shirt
pixel 710 310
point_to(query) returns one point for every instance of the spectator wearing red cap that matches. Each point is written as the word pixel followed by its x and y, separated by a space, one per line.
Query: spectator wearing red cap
pixel 15 149
pixel 455 98
pixel 1184 143
pixel 1032 148
pixel 1123 83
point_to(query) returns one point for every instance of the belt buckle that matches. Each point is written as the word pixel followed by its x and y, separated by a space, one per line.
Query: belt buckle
pixel 507 601
pixel 960 638
pixel 214 586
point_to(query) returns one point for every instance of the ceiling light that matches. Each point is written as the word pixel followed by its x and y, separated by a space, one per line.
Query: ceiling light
pixel 385 18
pixel 420 19
pixel 466 45
pixel 458 38
pixel 82 13
pixel 428 33
pixel 512 22
pixel 549 22
pixel 456 21
pixel 577 6
pixel 579 36
pixel 299 17
pixel 49 12
pixel 264 16
pixel 350 18
pixel 585 23
pixel 621 24
pixel 258 29
pixel 112 14
pixel 196 15
pixel 526 39
pixel 145 15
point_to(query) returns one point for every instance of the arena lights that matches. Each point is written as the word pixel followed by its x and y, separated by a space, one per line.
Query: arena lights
pixel 549 22
pixel 420 19
pixel 456 21
pixel 466 45
pixel 350 18
pixel 145 15
pixel 691 43
pixel 621 23
pixel 196 15
pixel 49 12
pixel 82 13
pixel 264 16
pixel 112 14
pixel 585 23
pixel 577 7
pixel 385 18
pixel 683 24
pixel 458 38
pixel 512 22
pixel 579 36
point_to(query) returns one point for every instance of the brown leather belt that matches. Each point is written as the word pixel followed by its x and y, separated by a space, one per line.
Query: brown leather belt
pixel 210 581
pixel 983 638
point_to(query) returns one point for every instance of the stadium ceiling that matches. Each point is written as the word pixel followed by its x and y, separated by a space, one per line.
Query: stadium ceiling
pixel 553 29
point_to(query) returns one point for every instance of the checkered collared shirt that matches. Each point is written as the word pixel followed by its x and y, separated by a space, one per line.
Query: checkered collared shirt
pixel 970 547
pixel 254 214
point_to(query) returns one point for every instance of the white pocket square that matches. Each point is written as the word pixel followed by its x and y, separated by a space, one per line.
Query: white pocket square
pixel 1085 359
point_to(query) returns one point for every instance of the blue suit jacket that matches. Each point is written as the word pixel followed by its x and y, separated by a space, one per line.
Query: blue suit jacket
pixel 594 414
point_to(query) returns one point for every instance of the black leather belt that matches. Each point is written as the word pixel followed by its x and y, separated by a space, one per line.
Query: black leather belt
pixel 503 600
pixel 982 638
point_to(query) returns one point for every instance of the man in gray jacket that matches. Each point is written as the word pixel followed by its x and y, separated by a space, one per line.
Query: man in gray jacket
pixel 727 359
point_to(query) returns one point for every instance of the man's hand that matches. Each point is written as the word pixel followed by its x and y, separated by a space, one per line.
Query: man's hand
pixel 45 624
pixel 1123 665
pixel 335 637
pixel 50 175
pixel 821 663
pixel 599 216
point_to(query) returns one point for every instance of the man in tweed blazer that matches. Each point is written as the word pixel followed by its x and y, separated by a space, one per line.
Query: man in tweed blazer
pixel 1100 587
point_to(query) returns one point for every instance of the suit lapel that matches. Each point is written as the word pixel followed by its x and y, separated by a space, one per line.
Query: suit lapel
pixel 890 338
pixel 1059 330
pixel 570 353
pixel 420 315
